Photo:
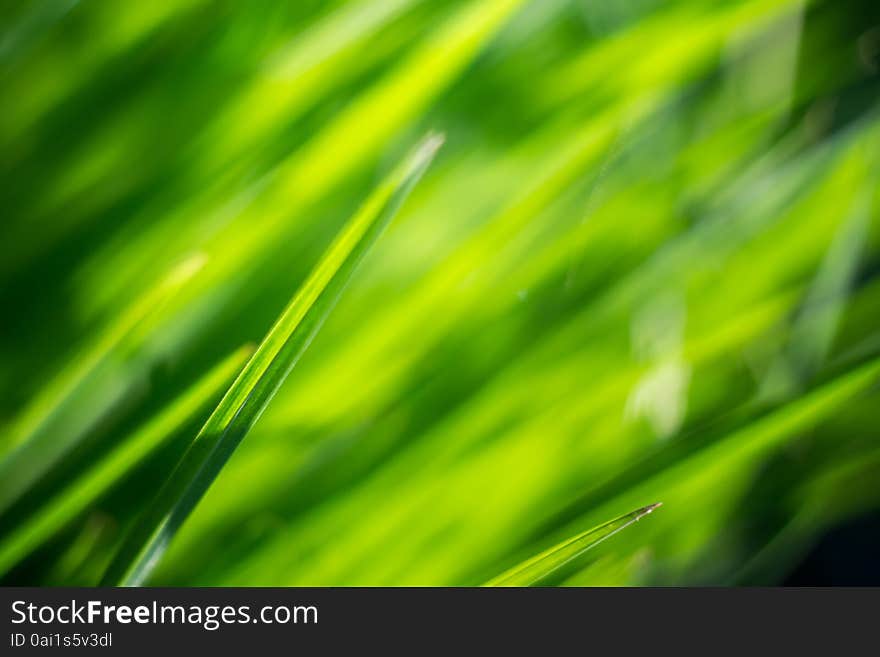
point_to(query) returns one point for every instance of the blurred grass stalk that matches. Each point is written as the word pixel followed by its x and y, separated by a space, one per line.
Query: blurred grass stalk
pixel 643 268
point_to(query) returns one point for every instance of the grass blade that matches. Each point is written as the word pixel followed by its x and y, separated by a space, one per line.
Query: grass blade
pixel 89 388
pixel 72 500
pixel 264 373
pixel 538 567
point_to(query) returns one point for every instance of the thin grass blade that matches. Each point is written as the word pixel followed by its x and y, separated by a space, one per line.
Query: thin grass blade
pixel 96 381
pixel 75 498
pixel 535 569
pixel 264 373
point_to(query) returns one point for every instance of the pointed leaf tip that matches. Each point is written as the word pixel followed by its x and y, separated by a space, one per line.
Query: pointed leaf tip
pixel 535 569
pixel 422 155
pixel 252 391
pixel 645 510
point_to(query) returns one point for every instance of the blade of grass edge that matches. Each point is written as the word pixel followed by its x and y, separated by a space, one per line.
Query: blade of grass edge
pixel 72 500
pixel 536 568
pixel 85 390
pixel 264 373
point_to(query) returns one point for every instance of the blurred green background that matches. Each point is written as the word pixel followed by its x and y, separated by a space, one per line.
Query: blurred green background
pixel 645 266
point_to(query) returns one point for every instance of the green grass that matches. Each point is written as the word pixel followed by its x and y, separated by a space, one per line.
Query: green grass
pixel 94 481
pixel 262 376
pixel 642 267
pixel 534 570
